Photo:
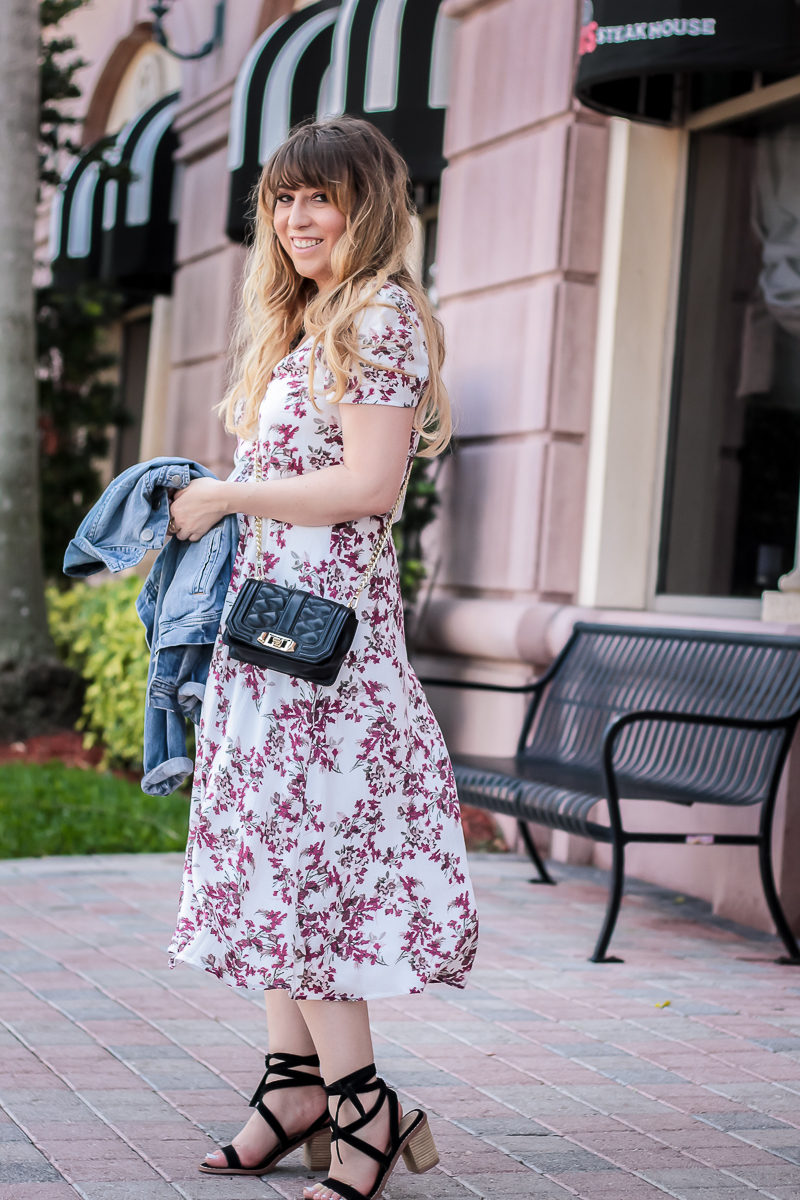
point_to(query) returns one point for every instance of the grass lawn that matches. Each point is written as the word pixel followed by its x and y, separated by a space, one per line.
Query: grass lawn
pixel 49 808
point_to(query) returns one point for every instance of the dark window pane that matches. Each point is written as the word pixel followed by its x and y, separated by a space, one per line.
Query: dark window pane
pixel 133 372
pixel 733 468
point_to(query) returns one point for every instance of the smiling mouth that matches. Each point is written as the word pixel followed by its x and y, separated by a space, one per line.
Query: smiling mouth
pixel 306 243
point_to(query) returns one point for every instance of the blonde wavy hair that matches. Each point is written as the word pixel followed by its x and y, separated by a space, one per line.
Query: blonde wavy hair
pixel 367 180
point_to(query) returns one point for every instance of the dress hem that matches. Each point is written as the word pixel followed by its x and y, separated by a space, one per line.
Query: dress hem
pixel 176 959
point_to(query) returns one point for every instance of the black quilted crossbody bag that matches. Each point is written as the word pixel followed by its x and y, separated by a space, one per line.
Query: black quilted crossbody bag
pixel 291 630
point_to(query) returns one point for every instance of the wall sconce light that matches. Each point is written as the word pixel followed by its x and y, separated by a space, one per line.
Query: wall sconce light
pixel 159 11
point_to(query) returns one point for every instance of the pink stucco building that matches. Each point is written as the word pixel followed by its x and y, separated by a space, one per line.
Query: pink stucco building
pixel 622 310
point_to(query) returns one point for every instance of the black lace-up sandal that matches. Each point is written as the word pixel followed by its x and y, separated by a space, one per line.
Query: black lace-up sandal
pixel 409 1136
pixel 315 1140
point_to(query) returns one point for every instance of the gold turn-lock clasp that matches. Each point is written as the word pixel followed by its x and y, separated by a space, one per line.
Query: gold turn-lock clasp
pixel 276 641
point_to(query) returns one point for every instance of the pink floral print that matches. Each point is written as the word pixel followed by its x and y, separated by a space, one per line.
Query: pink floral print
pixel 325 852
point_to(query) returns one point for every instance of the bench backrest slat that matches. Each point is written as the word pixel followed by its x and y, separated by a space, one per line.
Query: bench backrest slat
pixel 606 671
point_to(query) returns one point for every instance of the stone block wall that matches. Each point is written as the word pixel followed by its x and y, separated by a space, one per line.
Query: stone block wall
pixel 519 254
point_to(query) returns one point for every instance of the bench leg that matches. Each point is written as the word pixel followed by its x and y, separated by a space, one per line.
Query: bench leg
pixel 774 904
pixel 535 857
pixel 617 882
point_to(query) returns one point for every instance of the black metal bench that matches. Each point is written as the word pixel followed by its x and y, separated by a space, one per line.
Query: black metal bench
pixel 685 716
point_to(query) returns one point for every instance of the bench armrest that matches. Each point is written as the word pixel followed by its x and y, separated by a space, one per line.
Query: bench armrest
pixel 616 727
pixel 683 718
pixel 473 685
pixel 521 689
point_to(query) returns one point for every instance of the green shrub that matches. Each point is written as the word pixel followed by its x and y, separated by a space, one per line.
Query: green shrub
pixel 98 632
pixel 419 510
pixel 53 809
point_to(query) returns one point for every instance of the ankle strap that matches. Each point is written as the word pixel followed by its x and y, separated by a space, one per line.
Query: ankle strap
pixel 365 1079
pixel 351 1087
pixel 285 1065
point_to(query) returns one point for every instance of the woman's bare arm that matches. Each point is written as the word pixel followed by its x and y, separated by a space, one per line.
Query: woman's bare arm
pixel 375 442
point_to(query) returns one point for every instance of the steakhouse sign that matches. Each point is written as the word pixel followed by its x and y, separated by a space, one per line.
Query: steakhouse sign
pixel 637 56
pixel 594 35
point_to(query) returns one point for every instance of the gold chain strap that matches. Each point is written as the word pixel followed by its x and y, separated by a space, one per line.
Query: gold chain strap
pixel 376 553
pixel 259 551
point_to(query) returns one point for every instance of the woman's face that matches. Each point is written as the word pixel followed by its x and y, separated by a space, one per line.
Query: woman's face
pixel 308 225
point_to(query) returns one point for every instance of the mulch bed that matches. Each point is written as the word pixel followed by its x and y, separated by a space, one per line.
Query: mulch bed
pixel 66 746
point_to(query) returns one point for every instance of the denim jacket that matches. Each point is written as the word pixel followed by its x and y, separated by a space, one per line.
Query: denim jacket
pixel 180 604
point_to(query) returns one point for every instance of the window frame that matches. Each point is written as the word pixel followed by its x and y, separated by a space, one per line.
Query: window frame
pixel 628 577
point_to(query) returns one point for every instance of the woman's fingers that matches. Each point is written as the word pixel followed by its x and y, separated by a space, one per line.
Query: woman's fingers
pixel 196 508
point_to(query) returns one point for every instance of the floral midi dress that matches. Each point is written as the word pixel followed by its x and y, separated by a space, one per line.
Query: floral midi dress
pixel 325 852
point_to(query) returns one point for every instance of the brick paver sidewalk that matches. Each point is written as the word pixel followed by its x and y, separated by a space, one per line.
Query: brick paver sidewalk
pixel 676 1073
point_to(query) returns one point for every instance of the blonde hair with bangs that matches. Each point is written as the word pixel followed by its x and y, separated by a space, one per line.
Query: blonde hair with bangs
pixel 367 180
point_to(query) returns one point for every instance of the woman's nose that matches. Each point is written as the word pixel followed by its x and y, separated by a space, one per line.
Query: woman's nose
pixel 298 214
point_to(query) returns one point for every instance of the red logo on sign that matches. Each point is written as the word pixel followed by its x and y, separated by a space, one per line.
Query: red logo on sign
pixel 588 41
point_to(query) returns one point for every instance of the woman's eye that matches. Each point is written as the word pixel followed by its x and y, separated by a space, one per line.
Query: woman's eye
pixel 283 198
pixel 321 196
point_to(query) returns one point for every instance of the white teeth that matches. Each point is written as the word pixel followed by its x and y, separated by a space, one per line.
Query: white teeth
pixel 306 243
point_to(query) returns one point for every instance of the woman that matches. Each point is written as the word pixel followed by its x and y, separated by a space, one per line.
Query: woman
pixel 326 862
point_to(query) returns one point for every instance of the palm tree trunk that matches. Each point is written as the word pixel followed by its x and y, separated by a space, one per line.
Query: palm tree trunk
pixel 37 692
pixel 24 636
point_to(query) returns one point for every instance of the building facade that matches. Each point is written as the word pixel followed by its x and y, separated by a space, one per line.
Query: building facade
pixel 618 292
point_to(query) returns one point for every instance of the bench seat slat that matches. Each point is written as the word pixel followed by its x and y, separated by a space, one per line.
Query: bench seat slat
pixel 481 774
pixel 529 800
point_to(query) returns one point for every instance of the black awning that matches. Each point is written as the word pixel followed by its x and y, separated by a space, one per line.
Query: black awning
pixel 277 86
pixel 390 65
pixel 659 60
pixel 76 218
pixel 138 236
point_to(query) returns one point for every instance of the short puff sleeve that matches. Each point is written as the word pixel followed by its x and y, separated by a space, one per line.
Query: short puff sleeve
pixel 395 366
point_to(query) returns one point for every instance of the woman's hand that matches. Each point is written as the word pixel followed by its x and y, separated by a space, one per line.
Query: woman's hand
pixel 197 508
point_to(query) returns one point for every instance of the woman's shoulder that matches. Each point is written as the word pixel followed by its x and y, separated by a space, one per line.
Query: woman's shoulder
pixel 392 296
pixel 390 322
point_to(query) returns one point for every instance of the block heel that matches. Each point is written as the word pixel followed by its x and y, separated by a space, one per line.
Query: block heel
pixel 419 1152
pixel 317 1151
pixel 410 1136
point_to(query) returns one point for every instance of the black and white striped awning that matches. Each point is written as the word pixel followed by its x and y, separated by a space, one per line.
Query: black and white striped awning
pixel 277 86
pixel 391 65
pixel 385 60
pixel 112 216
pixel 76 218
pixel 139 203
